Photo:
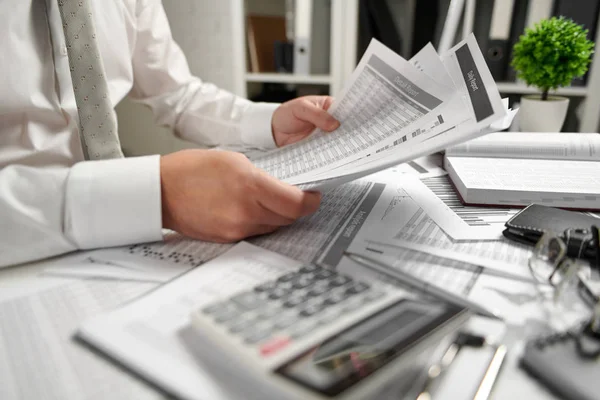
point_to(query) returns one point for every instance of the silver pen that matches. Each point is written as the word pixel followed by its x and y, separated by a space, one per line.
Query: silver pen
pixel 418 284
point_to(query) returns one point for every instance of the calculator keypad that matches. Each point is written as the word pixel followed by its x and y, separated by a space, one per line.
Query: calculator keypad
pixel 291 306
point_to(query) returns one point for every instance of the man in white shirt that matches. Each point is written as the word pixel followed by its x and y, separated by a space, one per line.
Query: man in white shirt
pixel 53 202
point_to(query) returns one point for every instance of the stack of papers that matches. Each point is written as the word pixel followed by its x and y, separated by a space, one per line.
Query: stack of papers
pixel 392 111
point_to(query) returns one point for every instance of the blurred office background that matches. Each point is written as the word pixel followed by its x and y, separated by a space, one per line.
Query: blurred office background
pixel 274 50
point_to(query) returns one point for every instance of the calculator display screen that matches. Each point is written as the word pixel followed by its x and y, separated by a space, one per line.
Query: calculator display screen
pixel 352 355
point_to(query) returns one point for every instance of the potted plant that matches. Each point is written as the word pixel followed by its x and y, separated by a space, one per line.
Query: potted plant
pixel 548 56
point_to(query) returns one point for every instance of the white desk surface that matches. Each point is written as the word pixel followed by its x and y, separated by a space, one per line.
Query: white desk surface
pixel 18 284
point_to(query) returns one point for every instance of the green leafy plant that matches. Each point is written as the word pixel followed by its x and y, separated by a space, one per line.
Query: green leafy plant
pixel 552 53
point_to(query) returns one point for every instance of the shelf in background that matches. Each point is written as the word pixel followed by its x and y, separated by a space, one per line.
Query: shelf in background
pixel 288 78
pixel 521 88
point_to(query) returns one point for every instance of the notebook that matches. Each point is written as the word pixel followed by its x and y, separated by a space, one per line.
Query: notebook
pixel 515 169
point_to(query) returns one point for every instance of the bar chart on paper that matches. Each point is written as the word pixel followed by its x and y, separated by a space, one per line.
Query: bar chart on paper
pixel 473 216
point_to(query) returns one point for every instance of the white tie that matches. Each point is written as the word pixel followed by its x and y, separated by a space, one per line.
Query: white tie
pixel 97 120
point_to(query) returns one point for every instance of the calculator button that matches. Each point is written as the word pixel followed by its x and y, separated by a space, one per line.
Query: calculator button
pixel 287 277
pixel 302 328
pixel 285 285
pixel 256 337
pixel 274 345
pixel 311 309
pixel 339 280
pixel 278 293
pixel 266 287
pixel 309 268
pixel 321 284
pixel 226 314
pixel 285 320
pixel 249 300
pixel 318 290
pixel 294 301
pixel 218 307
pixel 302 282
pixel 324 274
pixel 358 287
pixel 267 311
pixel 257 333
pixel 336 297
pixel 311 276
pixel 240 324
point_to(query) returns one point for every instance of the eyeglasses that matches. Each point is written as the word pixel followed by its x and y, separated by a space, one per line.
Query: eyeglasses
pixel 550 264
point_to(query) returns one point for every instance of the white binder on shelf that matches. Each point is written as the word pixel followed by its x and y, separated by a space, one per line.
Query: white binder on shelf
pixel 302 36
pixel 537 11
pixel 499 44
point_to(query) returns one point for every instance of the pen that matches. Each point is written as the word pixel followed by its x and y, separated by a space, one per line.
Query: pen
pixel 419 284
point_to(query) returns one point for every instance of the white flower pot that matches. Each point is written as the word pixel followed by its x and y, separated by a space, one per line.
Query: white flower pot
pixel 536 115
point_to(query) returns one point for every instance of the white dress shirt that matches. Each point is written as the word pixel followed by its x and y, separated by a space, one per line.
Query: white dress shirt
pixel 53 202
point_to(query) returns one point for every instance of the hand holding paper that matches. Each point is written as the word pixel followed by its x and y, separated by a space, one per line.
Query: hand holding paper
pixel 392 111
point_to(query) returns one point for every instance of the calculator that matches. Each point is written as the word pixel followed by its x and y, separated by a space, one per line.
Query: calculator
pixel 313 333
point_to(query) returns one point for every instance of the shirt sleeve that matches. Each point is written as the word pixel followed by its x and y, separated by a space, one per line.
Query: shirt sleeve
pixel 197 111
pixel 51 211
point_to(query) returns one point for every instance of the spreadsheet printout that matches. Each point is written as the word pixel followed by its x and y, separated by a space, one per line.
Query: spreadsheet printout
pixel 384 101
pixel 475 109
pixel 36 330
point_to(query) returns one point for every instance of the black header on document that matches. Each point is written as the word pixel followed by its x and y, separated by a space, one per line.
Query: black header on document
pixel 404 84
pixel 342 243
pixel 477 92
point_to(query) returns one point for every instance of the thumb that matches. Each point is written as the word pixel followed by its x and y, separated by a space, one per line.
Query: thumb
pixel 286 200
pixel 316 115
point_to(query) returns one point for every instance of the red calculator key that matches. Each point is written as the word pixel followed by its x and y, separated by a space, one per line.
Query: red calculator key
pixel 274 345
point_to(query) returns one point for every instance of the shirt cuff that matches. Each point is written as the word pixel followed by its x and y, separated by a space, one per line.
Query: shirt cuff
pixel 256 125
pixel 114 202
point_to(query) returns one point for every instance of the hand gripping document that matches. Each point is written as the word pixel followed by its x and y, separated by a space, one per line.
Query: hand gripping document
pixel 393 111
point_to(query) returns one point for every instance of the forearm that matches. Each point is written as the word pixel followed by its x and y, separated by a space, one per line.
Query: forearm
pixel 198 111
pixel 51 211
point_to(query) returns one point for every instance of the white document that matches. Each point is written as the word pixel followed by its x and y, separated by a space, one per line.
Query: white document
pixel 87 270
pixel 416 232
pixel 475 106
pixel 147 262
pixel 479 219
pixel 450 222
pixel 41 361
pixel 384 102
pixel 423 167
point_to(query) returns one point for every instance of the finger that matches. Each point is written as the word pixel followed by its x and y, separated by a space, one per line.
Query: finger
pixel 286 200
pixel 269 217
pixel 314 114
pixel 241 234
pixel 327 102
pixel 261 230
